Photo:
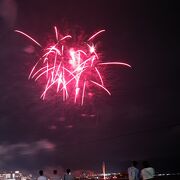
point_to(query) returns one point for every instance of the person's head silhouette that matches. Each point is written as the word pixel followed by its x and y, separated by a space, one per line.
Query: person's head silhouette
pixel 41 172
pixel 55 171
pixel 145 164
pixel 134 163
pixel 68 171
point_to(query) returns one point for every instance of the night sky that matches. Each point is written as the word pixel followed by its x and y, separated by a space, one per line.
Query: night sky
pixel 140 121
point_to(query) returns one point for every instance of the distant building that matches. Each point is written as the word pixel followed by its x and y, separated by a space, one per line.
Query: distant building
pixel 17 175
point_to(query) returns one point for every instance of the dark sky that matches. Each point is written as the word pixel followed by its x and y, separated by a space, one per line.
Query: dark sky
pixel 139 121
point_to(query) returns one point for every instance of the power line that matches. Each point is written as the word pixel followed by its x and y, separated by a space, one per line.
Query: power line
pixel 111 138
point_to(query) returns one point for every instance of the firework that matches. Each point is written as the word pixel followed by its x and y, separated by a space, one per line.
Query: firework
pixel 69 67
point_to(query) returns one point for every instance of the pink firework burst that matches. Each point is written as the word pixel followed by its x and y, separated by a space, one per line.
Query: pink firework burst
pixel 70 68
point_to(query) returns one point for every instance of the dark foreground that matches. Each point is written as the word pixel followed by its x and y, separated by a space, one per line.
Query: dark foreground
pixel 170 177
pixel 167 178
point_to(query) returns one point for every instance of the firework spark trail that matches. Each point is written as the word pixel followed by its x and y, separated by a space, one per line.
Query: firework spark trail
pixel 28 37
pixel 84 87
pixel 115 63
pixel 93 36
pixel 71 69
pixel 56 33
pixel 102 83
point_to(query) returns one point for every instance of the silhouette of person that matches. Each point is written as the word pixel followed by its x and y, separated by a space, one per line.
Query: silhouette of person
pixel 55 175
pixel 41 177
pixel 133 171
pixel 147 172
pixel 68 175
